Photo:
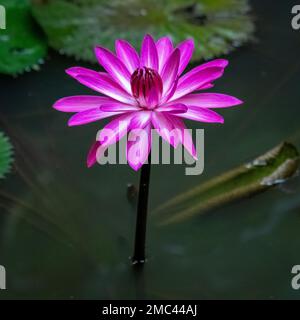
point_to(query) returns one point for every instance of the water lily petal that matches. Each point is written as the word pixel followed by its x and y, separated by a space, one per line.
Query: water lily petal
pixel 186 51
pixel 201 114
pixel 209 100
pixel 164 48
pixel 165 128
pixel 217 63
pixel 171 92
pixel 128 55
pixel 153 97
pixel 140 119
pixel 118 107
pixel 91 158
pixel 184 136
pixel 170 71
pixel 173 108
pixel 80 71
pixel 114 66
pixel 193 80
pixel 149 57
pixel 114 130
pixel 80 103
pixel 206 86
pixel 107 86
pixel 112 133
pixel 89 116
pixel 76 72
pixel 221 63
pixel 138 146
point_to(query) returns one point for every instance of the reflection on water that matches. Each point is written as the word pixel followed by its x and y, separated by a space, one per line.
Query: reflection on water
pixel 68 233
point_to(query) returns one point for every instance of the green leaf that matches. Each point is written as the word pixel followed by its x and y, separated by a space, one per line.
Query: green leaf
pixel 22 48
pixel 268 170
pixel 75 27
pixel 5 155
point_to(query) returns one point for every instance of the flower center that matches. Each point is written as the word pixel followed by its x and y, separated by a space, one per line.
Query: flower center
pixel 146 87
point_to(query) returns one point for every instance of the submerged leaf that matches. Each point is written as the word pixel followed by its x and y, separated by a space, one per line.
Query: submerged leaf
pixel 270 169
pixel 5 155
pixel 21 47
pixel 75 27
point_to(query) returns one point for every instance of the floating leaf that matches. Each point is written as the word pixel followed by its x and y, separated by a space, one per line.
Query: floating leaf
pixel 75 27
pixel 21 47
pixel 5 155
pixel 273 168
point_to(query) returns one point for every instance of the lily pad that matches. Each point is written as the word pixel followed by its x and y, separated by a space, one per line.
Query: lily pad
pixel 75 27
pixel 268 170
pixel 22 47
pixel 5 155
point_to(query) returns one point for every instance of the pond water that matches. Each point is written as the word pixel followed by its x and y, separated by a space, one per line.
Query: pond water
pixel 67 231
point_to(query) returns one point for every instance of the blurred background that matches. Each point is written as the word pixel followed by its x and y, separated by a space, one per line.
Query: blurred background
pixel 66 232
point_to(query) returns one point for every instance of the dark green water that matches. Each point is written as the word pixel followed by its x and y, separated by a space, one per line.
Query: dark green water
pixel 68 233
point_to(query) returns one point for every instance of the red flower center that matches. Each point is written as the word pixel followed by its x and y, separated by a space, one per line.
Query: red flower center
pixel 146 87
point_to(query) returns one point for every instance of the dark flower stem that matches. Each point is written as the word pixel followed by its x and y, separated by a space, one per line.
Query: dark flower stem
pixel 141 220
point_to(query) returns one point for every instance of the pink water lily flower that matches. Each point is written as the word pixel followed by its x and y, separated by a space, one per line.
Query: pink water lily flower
pixel 147 91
